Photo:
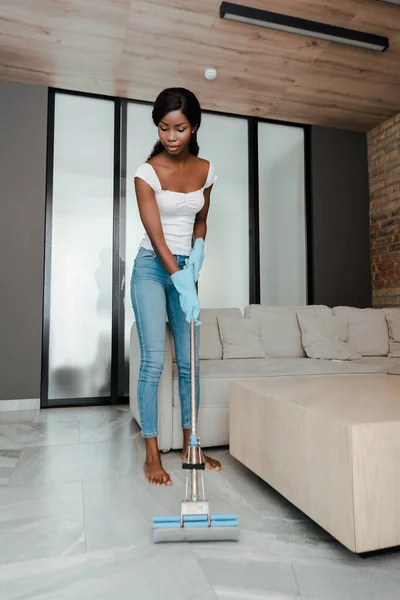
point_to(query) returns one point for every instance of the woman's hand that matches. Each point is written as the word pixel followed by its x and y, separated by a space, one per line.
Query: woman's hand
pixel 196 258
pixel 189 301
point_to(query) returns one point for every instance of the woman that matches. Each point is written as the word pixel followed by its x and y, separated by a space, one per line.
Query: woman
pixel 173 193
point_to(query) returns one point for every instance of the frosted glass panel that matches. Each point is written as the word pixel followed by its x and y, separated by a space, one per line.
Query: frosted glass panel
pixel 224 280
pixel 283 263
pixel 81 253
pixel 141 137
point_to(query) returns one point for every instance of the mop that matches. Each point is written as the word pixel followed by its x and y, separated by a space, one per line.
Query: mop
pixel 195 523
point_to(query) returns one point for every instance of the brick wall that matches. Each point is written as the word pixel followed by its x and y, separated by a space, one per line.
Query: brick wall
pixel 384 182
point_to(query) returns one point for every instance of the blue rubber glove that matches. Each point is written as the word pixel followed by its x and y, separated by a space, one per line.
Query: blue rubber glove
pixel 196 258
pixel 183 281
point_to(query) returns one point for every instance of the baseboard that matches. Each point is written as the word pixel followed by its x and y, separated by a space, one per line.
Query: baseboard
pixel 25 404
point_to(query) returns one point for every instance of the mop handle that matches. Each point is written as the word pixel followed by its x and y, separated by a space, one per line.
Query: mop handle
pixel 193 376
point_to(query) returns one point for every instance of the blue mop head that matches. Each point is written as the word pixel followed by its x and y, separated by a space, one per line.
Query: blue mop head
pixel 223 528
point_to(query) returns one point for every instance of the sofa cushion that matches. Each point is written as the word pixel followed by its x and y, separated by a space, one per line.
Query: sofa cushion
pixel 244 368
pixel 210 342
pixel 241 338
pixel 367 328
pixel 210 347
pixel 280 331
pixel 217 375
pixel 321 337
pixel 393 321
pixel 391 366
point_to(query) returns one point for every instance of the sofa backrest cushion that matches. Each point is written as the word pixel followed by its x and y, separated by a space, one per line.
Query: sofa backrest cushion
pixel 393 321
pixel 241 338
pixel 321 337
pixel 280 331
pixel 210 341
pixel 367 328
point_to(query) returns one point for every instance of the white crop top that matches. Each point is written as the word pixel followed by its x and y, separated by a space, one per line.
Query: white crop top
pixel 177 210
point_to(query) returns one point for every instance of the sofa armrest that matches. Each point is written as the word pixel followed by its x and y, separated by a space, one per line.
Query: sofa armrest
pixel 164 389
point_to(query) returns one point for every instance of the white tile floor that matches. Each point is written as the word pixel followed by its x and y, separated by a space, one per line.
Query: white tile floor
pixel 76 512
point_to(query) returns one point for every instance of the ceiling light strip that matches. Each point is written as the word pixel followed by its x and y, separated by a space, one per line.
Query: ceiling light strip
pixel 264 18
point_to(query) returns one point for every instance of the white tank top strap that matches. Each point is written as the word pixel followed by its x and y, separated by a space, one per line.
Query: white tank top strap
pixel 211 177
pixel 146 172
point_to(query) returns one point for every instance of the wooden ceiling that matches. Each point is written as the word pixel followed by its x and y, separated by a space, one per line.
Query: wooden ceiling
pixel 135 48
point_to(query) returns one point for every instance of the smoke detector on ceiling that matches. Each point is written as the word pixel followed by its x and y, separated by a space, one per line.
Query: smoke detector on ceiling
pixel 210 74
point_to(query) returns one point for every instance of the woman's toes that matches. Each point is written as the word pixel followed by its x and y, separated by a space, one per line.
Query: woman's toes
pixel 212 464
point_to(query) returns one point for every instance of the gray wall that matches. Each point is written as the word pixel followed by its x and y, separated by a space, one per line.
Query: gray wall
pixel 340 268
pixel 23 131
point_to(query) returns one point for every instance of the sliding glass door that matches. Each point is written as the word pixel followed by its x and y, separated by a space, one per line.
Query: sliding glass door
pixel 282 215
pixel 79 345
pixel 141 137
pixel 225 274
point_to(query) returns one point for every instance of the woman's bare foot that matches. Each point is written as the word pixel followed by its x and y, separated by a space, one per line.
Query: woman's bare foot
pixel 211 463
pixel 155 473
pixel 153 469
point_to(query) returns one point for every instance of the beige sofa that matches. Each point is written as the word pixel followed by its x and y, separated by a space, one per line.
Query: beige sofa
pixel 365 330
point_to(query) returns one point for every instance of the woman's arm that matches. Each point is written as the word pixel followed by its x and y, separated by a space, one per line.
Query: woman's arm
pixel 200 224
pixel 151 220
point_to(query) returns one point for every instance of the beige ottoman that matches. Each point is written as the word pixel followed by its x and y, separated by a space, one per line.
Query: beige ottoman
pixel 330 445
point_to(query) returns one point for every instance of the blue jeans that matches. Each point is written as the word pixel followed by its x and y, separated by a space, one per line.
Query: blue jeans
pixel 153 297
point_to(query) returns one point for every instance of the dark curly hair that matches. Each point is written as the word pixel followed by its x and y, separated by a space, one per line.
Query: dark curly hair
pixel 177 99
